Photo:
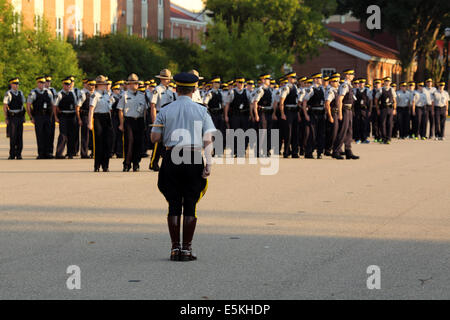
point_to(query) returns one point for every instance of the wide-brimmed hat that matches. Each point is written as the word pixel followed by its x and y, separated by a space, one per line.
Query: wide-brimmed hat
pixel 133 78
pixel 165 74
pixel 101 80
pixel 195 72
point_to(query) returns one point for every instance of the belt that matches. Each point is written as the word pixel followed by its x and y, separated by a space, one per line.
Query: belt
pixel 68 112
pixel 348 106
pixel 440 106
pixel 291 106
pixel 266 108
pixel 15 114
pixel 420 106
pixel 317 108
pixel 134 118
pixel 16 111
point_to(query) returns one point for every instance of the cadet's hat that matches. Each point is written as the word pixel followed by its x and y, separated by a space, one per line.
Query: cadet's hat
pixel 316 76
pixel 41 79
pixel 403 84
pixel 420 84
pixel 335 79
pixel 213 80
pixel 91 82
pixel 231 82
pixel 349 71
pixel 101 80
pixel 14 81
pixel 394 85
pixel 326 78
pixel 141 88
pixel 165 74
pixel 72 78
pixel 387 79
pixel 251 82
pixel 303 78
pixel 147 83
pixel 152 84
pixel 336 74
pixel 429 80
pixel 115 87
pixel 442 83
pixel 411 83
pixel 119 82
pixel 48 78
pixel 284 81
pixel 367 85
pixel 276 86
pixel 355 81
pixel 240 79
pixel 272 81
pixel 362 80
pixel 84 80
pixel 225 86
pixel 67 81
pixel 186 79
pixel 377 81
pixel 195 72
pixel 264 76
pixel 109 82
pixel 341 81
pixel 141 83
pixel 290 75
pixel 133 78
pixel 309 80
pixel 172 85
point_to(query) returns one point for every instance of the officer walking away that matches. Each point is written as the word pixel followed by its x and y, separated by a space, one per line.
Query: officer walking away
pixel 440 105
pixel 132 106
pixel 64 113
pixel 82 112
pixel 100 124
pixel 345 101
pixel 162 95
pixel 14 116
pixel 40 111
pixel 183 183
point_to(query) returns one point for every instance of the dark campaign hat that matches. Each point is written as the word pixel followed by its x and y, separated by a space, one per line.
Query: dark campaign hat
pixel 186 79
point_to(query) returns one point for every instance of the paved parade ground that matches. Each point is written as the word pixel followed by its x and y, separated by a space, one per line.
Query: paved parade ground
pixel 308 232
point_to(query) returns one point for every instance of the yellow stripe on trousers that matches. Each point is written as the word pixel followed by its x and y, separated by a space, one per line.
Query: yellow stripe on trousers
pixel 155 149
pixel 202 194
pixel 93 140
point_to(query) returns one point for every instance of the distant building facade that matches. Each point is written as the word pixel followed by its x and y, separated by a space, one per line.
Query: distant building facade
pixel 186 24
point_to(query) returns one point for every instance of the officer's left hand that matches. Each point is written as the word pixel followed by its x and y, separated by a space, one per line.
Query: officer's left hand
pixel 283 116
pixel 206 171
pixel 395 112
pixel 274 117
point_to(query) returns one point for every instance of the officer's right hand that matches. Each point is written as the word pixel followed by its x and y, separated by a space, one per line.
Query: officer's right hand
pixel 413 114
pixel 32 121
pixel 274 117
pixel 226 119
pixel 121 128
pixel 340 117
pixel 80 123
pixel 206 171
pixel 307 118
pixel 283 116
pixel 7 121
pixel 257 118
pixel 378 112
pixel 56 119
pixel 331 119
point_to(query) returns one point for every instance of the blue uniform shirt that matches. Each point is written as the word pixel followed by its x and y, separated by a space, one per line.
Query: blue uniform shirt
pixel 186 115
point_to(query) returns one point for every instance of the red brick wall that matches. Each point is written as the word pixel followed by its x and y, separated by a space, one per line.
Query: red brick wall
pixel 121 19
pixel 105 25
pixel 50 14
pixel 88 18
pixel 153 19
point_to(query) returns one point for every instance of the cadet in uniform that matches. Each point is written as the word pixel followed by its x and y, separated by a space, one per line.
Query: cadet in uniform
pixel 440 105
pixel 262 111
pixel 100 124
pixel 429 91
pixel 413 97
pixel 237 113
pixel 14 116
pixel 345 101
pixel 403 103
pixel 184 184
pixel 420 114
pixel 48 85
pixel 303 90
pixel 162 95
pixel 132 106
pixel 363 108
pixel 39 108
pixel 82 112
pixel 332 112
pixel 196 97
pixel 375 119
pixel 215 101
pixel 117 138
pixel 386 102
pixel 289 116
pixel 314 111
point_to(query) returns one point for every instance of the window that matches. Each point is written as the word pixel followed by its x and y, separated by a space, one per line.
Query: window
pixel 144 32
pixel 79 32
pixel 326 72
pixel 160 3
pixel 160 35
pixel 130 30
pixel 97 29
pixel 37 22
pixel 114 27
pixel 59 28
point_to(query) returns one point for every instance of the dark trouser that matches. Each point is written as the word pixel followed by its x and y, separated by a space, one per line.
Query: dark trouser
pixel 182 185
pixel 403 121
pixel 42 127
pixel 77 138
pixel 375 119
pixel 420 123
pixel 15 128
pixel 440 118
pixel 345 133
pixel 240 121
pixel 264 141
pixel 386 119
pixel 117 140
pixel 301 133
pixel 289 129
pixel 52 134
pixel 146 141
pixel 315 132
pixel 219 123
pixel 332 130
pixel 67 134
pixel 362 124
pixel 84 150
pixel 429 114
pixel 134 133
pixel 102 139
pixel 395 126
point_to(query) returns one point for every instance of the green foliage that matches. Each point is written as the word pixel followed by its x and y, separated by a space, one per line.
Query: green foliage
pixel 231 52
pixel 292 26
pixel 28 53
pixel 184 55
pixel 118 55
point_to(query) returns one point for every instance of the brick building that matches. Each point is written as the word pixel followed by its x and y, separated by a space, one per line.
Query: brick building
pixel 186 24
pixel 85 18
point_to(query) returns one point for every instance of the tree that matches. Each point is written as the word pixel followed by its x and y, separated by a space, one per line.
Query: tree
pixel 231 52
pixel 416 24
pixel 292 26
pixel 118 55
pixel 184 55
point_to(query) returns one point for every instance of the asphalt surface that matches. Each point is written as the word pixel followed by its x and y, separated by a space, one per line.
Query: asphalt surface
pixel 308 232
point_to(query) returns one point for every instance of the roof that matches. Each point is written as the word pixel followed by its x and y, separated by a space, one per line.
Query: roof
pixel 361 44
pixel 182 13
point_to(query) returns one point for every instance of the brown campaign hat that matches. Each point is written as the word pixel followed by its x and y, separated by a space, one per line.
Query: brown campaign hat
pixel 195 72
pixel 165 74
pixel 101 80
pixel 133 78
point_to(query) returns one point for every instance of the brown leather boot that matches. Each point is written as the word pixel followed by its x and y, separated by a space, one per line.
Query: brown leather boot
pixel 189 224
pixel 174 231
